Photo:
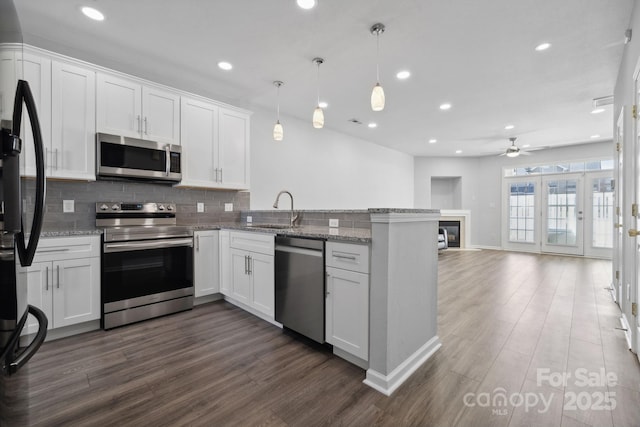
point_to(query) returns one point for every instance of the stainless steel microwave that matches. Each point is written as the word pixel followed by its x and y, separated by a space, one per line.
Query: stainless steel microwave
pixel 123 157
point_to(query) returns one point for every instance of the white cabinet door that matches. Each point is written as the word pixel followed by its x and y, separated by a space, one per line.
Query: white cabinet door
pixel 206 263
pixel 198 137
pixel 241 286
pixel 119 106
pixel 76 293
pixel 73 122
pixel 263 278
pixel 225 264
pixel 37 71
pixel 347 311
pixel 8 83
pixel 39 291
pixel 234 149
pixel 161 115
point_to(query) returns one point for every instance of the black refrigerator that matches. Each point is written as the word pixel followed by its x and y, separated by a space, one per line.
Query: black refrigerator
pixel 19 234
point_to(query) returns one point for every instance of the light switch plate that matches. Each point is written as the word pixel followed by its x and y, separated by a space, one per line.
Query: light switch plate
pixel 68 206
pixel 200 207
pixel 334 222
pixel 249 219
pixel 228 207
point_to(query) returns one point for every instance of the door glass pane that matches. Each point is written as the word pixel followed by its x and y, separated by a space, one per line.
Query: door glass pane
pixel 521 211
pixel 562 220
pixel 602 208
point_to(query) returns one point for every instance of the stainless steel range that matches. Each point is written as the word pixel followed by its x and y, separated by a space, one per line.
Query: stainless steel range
pixel 147 262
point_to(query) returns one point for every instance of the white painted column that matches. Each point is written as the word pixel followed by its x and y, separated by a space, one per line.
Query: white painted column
pixel 403 294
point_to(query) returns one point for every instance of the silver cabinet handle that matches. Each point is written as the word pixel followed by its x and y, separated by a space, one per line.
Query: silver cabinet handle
pixel 46 278
pixel 56 157
pixel 197 242
pixel 145 126
pixel 221 176
pixel 350 257
pixel 250 265
pixel 58 273
pixel 246 264
pixel 138 122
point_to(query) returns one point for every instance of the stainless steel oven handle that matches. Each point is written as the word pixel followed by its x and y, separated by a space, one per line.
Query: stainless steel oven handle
pixel 150 244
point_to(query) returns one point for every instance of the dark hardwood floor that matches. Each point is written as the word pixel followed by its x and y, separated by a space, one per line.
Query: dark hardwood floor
pixel 502 317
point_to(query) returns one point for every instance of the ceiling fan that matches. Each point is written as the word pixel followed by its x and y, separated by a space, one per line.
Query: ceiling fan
pixel 512 150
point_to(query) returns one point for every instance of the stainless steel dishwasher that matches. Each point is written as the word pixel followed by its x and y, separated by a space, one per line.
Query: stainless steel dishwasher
pixel 300 285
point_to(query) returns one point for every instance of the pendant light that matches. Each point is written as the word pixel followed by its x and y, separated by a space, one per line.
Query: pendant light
pixel 318 114
pixel 278 131
pixel 377 95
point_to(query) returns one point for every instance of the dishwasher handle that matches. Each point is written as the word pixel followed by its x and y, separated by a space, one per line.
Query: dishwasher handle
pixel 301 251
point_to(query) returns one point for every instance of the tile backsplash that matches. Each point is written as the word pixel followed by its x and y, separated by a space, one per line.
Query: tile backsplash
pixel 86 194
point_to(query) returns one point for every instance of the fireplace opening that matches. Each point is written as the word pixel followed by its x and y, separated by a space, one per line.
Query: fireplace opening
pixel 453 232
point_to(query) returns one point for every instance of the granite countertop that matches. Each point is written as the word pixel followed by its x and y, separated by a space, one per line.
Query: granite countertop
pixel 356 235
pixel 66 233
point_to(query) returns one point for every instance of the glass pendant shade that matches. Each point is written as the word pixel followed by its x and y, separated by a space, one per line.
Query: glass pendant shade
pixel 318 118
pixel 377 98
pixel 278 132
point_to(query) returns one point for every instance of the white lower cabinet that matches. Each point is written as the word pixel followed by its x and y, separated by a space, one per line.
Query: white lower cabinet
pixel 64 281
pixel 251 270
pixel 225 264
pixel 347 302
pixel 206 261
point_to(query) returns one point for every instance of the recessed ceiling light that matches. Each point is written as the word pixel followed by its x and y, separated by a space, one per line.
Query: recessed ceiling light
pixel 597 111
pixel 509 127
pixel 372 125
pixel 595 136
pixel 306 4
pixel 323 104
pixel 543 46
pixel 223 65
pixel 433 141
pixel 458 151
pixel 445 106
pixel 92 13
pixel 403 74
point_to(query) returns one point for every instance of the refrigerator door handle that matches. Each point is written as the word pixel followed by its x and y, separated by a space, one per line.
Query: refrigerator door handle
pixel 27 353
pixel 26 252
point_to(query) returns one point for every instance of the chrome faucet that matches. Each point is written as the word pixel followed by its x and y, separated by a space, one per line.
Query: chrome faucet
pixel 293 218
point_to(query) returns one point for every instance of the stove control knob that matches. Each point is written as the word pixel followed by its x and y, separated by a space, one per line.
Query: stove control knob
pixel 160 207
pixel 104 207
pixel 169 208
pixel 115 207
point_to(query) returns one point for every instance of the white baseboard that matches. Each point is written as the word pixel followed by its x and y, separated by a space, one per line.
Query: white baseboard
pixel 361 363
pixel 387 384
pixel 64 332
pixel 207 299
pixel 490 248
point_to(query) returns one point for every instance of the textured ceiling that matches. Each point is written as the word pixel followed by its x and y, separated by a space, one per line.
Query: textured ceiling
pixel 477 55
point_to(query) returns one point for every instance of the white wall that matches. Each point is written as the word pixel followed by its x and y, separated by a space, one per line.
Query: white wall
pixel 325 169
pixel 446 193
pixel 482 183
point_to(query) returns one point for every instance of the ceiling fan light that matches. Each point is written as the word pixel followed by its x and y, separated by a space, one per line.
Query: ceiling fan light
pixel 377 98
pixel 278 132
pixel 513 153
pixel 318 118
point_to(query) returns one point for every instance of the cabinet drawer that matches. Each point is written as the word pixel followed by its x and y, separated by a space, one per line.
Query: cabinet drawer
pixel 61 248
pixel 252 241
pixel 348 256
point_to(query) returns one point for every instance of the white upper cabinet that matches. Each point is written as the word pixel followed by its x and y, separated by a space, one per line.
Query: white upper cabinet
pixel 234 149
pixel 126 107
pixel 7 83
pixel 199 140
pixel 215 146
pixel 73 118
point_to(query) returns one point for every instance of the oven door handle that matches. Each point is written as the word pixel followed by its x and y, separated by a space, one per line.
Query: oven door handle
pixel 150 244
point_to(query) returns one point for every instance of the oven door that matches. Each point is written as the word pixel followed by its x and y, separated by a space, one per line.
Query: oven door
pixel 142 272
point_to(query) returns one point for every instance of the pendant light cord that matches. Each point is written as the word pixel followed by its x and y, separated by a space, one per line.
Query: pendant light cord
pixel 278 104
pixel 377 56
pixel 318 85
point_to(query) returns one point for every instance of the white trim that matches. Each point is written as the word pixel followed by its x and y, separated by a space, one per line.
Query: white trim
pixel 387 384
pixel 253 311
pixel 460 213
pixel 396 217
pixel 626 329
pixel 491 248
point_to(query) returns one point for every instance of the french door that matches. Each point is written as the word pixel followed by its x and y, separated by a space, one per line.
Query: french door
pixel 563 214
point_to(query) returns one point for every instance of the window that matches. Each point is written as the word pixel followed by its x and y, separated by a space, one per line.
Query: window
pixel 602 205
pixel 522 212
pixel 594 165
